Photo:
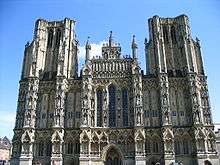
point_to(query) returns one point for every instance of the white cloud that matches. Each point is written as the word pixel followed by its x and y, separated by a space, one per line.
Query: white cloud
pixel 96 50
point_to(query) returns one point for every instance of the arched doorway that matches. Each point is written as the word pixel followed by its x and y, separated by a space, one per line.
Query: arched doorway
pixel 113 157
pixel 207 162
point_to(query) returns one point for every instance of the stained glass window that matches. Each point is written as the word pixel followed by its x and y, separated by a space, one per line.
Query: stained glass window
pixel 99 108
pixel 50 38
pixel 112 111
pixel 125 106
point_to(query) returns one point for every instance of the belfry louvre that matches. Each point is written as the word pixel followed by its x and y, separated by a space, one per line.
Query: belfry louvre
pixel 112 113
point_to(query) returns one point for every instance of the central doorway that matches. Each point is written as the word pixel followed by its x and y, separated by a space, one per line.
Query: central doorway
pixel 113 157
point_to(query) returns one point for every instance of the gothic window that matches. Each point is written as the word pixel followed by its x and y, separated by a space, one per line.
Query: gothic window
pixel 112 111
pixel 165 34
pixel 41 149
pixel 48 149
pixel 78 114
pixel 147 146
pixel 185 147
pixel 155 113
pixel 177 147
pixel 146 113
pixel 201 145
pixel 58 35
pixel 77 148
pixel 70 148
pixel 43 115
pixel 51 115
pixel 99 107
pixel 174 113
pixel 125 106
pixel 155 147
pixel 85 147
pixel 181 113
pixel 173 34
pixel 50 38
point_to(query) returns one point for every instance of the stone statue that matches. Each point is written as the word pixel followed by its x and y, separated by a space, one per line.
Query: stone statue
pixel 58 101
pixel 165 101
pixel 138 100
pixel 105 118
pixel 92 118
pixel 27 118
pixel 92 103
pixel 138 118
pixel 85 118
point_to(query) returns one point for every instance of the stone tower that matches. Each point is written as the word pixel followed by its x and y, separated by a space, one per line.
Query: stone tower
pixel 113 113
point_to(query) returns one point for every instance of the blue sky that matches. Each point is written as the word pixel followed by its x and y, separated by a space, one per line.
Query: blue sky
pixel 95 18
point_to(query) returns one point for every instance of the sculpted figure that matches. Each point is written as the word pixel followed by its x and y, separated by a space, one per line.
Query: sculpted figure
pixel 138 118
pixel 28 118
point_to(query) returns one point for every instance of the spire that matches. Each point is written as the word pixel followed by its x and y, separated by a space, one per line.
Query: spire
pixel 88 48
pixel 134 47
pixel 110 39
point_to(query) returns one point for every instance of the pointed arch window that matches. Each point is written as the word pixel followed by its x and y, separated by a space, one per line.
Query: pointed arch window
pixel 58 36
pixel 173 34
pixel 41 148
pixel 185 146
pixel 112 111
pixel 177 146
pixel 99 95
pixel 125 106
pixel 50 38
pixel 165 34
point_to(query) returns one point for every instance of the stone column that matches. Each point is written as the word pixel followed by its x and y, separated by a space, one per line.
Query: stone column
pixel 168 139
pixel 166 123
pixel 139 134
pixel 58 125
pixel 27 138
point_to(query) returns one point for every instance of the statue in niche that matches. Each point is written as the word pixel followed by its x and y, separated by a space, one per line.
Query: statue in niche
pixel 194 99
pixel 105 100
pixel 163 79
pixel 165 99
pixel 85 118
pixel 169 145
pixel 30 102
pixel 58 101
pixel 105 118
pixel 56 147
pixel 138 100
pixel 212 145
pixel 166 116
pixel 138 87
pixel 57 119
pixel 93 118
pixel 85 102
pixel 31 92
pixel 27 118
pixel 33 69
pixel 26 147
pixel 196 116
pixel 138 117
pixel 92 103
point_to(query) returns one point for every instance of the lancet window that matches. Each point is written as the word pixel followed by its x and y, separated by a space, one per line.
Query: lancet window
pixel 112 108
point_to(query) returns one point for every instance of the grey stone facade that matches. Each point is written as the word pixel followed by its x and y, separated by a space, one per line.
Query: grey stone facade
pixel 113 113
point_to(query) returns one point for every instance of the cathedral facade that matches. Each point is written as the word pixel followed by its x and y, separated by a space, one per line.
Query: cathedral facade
pixel 112 113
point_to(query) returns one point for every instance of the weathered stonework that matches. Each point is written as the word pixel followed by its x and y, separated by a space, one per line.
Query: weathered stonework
pixel 113 113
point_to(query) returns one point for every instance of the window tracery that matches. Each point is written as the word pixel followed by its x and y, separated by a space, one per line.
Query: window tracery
pixel 112 108
pixel 125 106
pixel 99 107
